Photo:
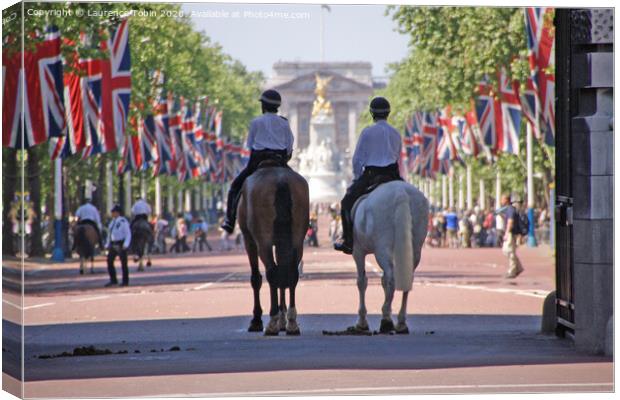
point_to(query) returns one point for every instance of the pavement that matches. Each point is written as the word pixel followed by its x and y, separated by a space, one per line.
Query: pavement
pixel 179 329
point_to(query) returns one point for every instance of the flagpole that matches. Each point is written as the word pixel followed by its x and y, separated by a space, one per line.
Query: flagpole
pixel 469 184
pixel 127 193
pixel 481 199
pixel 461 197
pixel 531 237
pixel 157 197
pixel 498 190
pixel 58 254
pixel 451 189
pixel 444 191
pixel 109 188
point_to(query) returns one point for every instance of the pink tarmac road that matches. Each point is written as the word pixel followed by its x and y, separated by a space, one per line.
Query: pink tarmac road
pixel 472 331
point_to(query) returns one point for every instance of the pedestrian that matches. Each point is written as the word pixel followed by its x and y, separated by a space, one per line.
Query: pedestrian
pixel 452 227
pixel 161 228
pixel 180 243
pixel 509 246
pixel 119 238
pixel 200 228
pixel 499 228
pixel 313 228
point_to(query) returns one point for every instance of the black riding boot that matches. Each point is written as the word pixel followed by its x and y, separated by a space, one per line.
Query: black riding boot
pixel 346 244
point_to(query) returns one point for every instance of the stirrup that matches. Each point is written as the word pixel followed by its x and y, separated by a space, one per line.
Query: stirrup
pixel 344 247
pixel 228 227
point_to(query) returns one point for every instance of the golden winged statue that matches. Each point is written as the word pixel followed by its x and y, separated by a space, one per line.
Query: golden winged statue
pixel 320 103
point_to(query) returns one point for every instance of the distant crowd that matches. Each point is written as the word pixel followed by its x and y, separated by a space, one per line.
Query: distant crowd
pixel 480 228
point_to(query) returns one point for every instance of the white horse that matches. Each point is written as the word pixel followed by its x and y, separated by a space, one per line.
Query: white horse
pixel 390 222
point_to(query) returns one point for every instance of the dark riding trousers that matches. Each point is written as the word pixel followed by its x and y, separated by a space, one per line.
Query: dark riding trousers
pixel 116 249
pixel 366 183
pixel 256 157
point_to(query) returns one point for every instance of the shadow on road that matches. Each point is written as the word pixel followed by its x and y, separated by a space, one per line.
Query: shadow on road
pixel 218 345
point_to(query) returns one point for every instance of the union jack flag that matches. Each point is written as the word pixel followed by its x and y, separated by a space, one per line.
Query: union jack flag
pixel 176 134
pixel 446 149
pixel 146 132
pixel 165 163
pixel 489 114
pixel 116 87
pixel 511 114
pixel 43 102
pixel 530 106
pixel 131 159
pixel 466 128
pixel 429 163
pixel 548 108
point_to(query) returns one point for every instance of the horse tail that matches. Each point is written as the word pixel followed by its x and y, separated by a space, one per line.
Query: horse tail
pixel 403 243
pixel 283 234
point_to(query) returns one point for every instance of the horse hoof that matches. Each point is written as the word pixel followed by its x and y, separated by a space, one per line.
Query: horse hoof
pixel 273 328
pixel 293 332
pixel 402 329
pixel 271 333
pixel 81 272
pixel 387 326
pixel 361 328
pixel 256 326
pixel 148 263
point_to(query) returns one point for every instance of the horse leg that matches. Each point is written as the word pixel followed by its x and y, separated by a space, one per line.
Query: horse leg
pixel 92 264
pixel 362 283
pixel 256 325
pixel 266 256
pixel 81 265
pixel 401 326
pixel 148 256
pixel 282 313
pixel 387 281
pixel 292 327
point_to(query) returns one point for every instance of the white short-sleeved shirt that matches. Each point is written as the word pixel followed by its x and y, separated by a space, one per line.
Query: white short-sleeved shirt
pixel 88 212
pixel 119 230
pixel 379 145
pixel 270 131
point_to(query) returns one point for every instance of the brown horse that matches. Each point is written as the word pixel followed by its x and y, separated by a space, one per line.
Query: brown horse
pixel 273 215
pixel 84 242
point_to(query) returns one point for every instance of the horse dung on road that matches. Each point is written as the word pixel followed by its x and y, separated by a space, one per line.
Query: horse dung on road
pixel 274 215
pixel 390 222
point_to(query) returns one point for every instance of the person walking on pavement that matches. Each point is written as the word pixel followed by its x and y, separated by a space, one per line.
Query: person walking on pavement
pixel 509 247
pixel 119 238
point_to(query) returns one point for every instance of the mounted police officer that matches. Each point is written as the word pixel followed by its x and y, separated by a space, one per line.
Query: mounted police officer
pixel 140 210
pixel 375 161
pixel 87 213
pixel 119 238
pixel 269 138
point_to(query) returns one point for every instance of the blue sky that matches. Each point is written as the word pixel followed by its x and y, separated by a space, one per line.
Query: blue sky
pixel 352 33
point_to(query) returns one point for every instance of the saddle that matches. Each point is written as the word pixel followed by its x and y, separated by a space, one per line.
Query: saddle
pixel 271 162
pixel 377 181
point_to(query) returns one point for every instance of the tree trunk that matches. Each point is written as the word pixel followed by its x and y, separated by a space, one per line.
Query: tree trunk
pixel 34 187
pixel 9 185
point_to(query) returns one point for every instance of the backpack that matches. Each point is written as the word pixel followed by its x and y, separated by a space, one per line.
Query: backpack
pixel 523 224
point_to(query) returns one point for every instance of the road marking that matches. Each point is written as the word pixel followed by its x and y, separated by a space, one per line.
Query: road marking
pixel 89 299
pixel 39 306
pixel 556 386
pixel 206 285
pixel 521 292
pixel 19 307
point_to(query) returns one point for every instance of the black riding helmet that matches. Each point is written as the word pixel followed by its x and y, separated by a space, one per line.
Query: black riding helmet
pixel 379 107
pixel 271 100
